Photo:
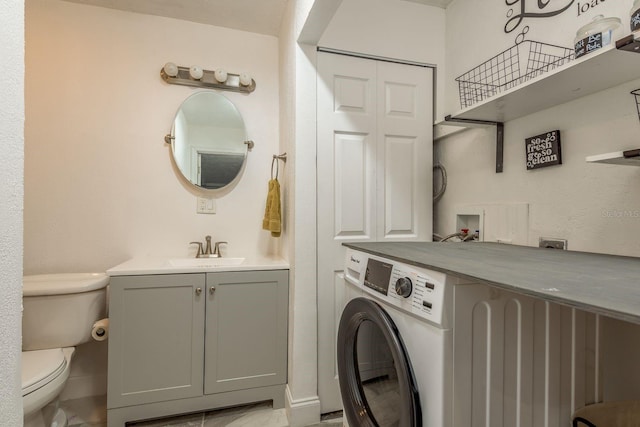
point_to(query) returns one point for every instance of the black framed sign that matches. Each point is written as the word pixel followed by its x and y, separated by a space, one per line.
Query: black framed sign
pixel 543 150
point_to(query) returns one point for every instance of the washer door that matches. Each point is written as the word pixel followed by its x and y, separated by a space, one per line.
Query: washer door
pixel 376 379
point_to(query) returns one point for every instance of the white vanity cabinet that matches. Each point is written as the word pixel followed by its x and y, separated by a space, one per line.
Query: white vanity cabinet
pixel 190 342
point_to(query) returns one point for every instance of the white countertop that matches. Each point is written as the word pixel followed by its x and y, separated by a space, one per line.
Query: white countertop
pixel 161 265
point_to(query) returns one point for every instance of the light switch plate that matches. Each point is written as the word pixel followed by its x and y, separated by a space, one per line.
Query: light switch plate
pixel 206 206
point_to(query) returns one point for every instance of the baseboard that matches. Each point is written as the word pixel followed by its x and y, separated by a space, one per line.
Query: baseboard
pixel 302 412
pixel 82 386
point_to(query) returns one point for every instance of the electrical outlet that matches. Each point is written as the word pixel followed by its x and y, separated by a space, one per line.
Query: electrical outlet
pixel 206 206
pixel 551 243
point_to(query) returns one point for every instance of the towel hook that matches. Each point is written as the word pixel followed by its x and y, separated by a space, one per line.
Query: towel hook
pixel 277 164
pixel 277 157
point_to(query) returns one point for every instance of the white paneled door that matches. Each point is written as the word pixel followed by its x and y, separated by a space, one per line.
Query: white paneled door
pixel 374 176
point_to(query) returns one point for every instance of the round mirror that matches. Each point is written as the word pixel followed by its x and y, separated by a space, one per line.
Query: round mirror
pixel 208 140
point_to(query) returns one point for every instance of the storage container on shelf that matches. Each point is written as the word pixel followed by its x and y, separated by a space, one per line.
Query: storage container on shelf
pixel 597 34
pixel 635 16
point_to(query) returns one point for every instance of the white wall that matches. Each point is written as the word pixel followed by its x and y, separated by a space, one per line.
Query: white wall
pixel 393 29
pixel 596 207
pixel 576 200
pixel 11 193
pixel 297 102
pixel 100 186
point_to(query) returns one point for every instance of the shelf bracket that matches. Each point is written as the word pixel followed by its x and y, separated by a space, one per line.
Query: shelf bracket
pixel 629 43
pixel 499 136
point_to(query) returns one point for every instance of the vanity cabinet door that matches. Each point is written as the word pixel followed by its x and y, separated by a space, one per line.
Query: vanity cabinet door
pixel 156 340
pixel 246 330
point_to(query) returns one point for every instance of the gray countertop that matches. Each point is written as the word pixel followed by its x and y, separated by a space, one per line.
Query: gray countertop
pixel 604 284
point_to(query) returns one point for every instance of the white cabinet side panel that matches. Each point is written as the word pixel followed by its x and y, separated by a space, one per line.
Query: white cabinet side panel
pixel 519 361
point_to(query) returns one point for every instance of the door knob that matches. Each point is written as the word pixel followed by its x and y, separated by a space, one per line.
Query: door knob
pixel 212 290
pixel 198 291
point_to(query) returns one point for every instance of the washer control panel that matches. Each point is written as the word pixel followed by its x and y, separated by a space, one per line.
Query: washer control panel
pixel 411 288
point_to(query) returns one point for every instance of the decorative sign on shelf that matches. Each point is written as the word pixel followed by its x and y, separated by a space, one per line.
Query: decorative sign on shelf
pixel 543 150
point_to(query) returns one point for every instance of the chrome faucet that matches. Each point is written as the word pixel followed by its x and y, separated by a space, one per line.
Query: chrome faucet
pixel 206 251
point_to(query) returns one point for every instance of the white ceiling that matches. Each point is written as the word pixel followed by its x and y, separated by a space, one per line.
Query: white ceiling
pixel 440 3
pixel 257 16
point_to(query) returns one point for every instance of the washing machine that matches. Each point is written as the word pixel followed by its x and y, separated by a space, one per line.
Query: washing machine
pixel 395 344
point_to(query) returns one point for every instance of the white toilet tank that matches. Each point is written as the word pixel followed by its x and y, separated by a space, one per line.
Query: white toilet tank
pixel 59 309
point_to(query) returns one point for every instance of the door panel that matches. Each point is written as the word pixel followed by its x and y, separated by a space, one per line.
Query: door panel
pixel 352 188
pixel 400 211
pixel 351 95
pixel 400 100
pixel 346 192
pixel 374 176
pixel 404 152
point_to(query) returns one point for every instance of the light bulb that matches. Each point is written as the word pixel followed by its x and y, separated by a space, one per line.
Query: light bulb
pixel 220 75
pixel 196 72
pixel 245 79
pixel 170 69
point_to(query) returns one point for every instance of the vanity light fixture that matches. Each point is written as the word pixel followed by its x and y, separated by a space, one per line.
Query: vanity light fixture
pixel 245 79
pixel 170 69
pixel 218 79
pixel 196 72
pixel 220 75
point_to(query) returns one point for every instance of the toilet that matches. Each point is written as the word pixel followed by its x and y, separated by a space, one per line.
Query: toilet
pixel 59 311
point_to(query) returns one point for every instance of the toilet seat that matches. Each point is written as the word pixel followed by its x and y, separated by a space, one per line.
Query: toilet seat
pixel 40 367
pixel 44 374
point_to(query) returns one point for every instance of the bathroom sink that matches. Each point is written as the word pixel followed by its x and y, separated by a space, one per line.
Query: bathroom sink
pixel 205 262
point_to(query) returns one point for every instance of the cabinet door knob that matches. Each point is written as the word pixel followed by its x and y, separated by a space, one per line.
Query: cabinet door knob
pixel 198 291
pixel 212 290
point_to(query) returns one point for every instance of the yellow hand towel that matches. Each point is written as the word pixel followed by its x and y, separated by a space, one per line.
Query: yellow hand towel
pixel 272 215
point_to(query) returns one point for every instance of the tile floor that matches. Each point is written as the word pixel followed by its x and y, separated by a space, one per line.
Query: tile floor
pixel 91 412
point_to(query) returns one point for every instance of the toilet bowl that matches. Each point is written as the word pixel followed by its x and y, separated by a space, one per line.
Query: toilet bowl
pixel 59 312
pixel 44 375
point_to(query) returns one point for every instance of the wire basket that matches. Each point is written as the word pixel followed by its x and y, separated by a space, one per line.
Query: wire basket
pixel 636 94
pixel 510 68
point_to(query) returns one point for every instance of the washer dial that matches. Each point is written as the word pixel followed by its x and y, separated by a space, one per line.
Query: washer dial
pixel 404 287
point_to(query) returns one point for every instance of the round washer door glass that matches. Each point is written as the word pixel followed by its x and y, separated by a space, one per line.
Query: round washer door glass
pixel 374 371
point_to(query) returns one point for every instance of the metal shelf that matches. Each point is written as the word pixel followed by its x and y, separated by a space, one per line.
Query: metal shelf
pixel 592 73
pixel 614 158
